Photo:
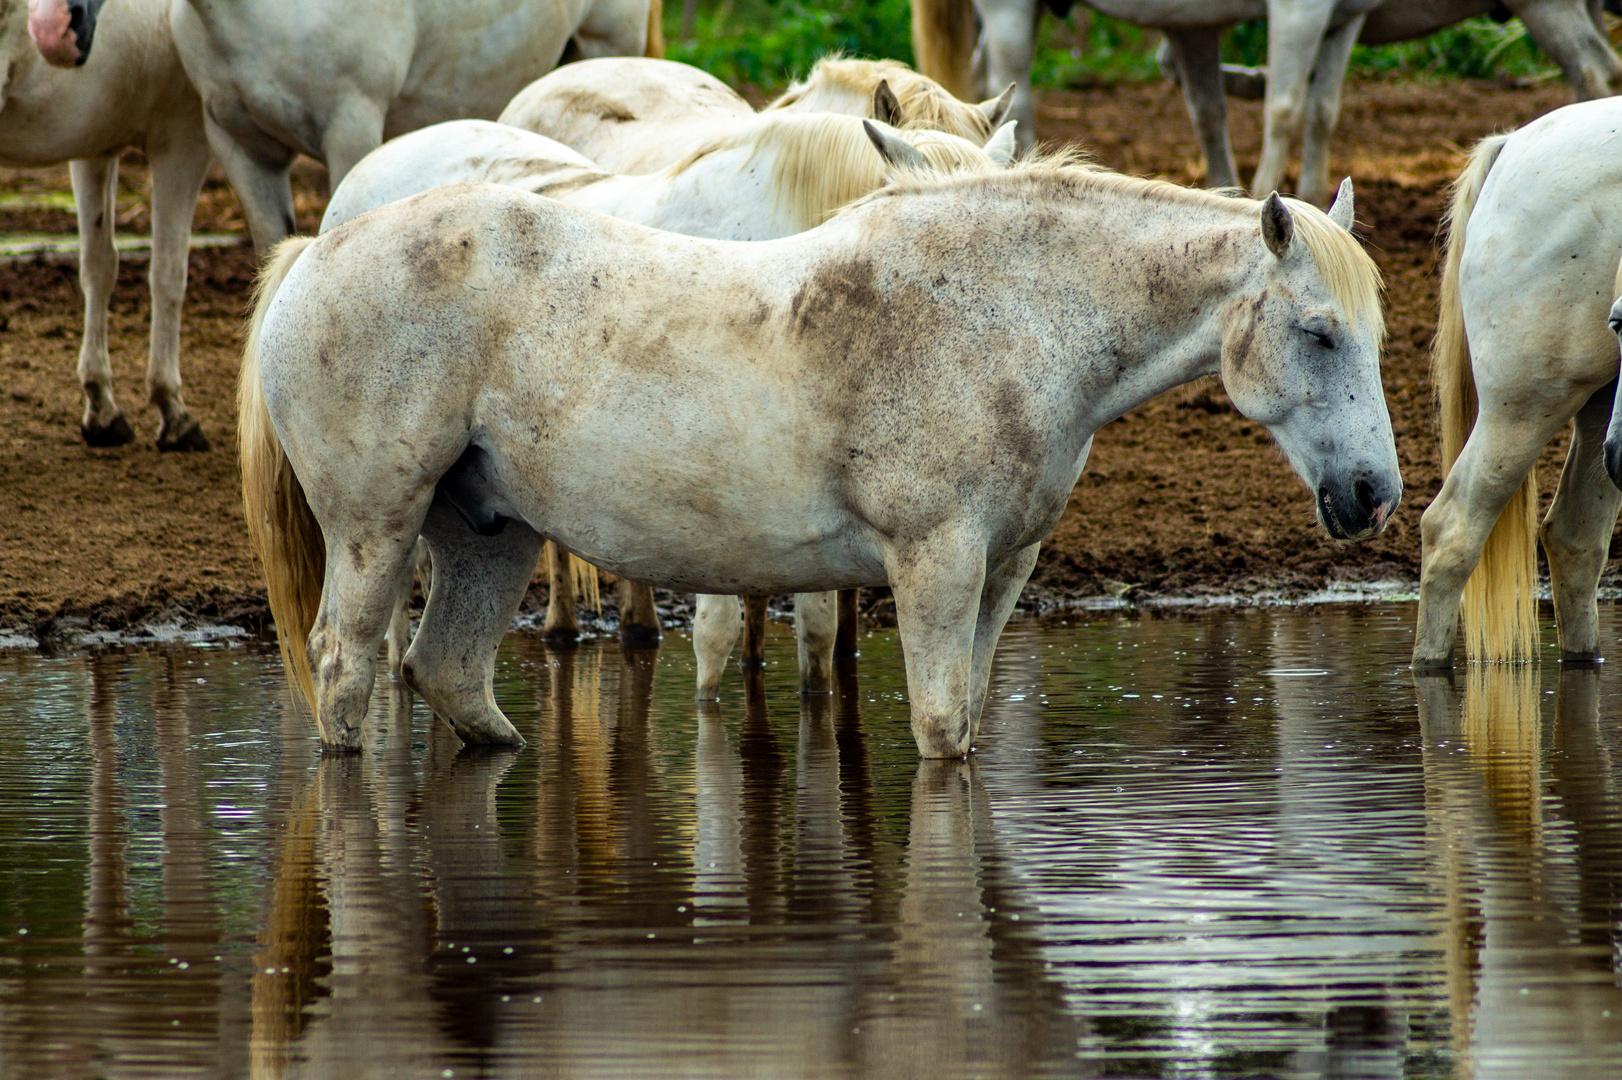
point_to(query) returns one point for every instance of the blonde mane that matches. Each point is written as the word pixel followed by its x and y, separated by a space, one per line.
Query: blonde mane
pixel 1350 275
pixel 823 161
pixel 925 103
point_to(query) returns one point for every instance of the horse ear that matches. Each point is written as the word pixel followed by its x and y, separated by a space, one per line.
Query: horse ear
pixel 996 108
pixel 897 152
pixel 886 108
pixel 1340 211
pixel 1278 228
pixel 1001 147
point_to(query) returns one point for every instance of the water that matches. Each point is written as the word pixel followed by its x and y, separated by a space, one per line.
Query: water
pixel 1234 844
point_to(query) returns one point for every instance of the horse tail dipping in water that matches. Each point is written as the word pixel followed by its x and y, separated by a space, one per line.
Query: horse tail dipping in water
pixel 1499 604
pixel 905 395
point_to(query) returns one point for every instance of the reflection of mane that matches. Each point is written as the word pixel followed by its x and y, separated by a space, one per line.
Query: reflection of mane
pixel 1350 275
pixel 823 161
pixel 924 102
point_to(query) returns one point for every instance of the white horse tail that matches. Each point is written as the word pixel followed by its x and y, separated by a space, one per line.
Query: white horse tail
pixel 1499 604
pixel 943 40
pixel 283 531
pixel 655 47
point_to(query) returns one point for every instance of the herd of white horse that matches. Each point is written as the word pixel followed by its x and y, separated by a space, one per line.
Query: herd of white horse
pixel 853 339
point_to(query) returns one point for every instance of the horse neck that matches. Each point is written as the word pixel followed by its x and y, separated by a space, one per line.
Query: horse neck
pixel 820 96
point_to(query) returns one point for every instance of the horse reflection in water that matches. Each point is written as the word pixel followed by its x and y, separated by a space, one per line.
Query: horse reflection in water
pixel 723 932
pixel 1523 823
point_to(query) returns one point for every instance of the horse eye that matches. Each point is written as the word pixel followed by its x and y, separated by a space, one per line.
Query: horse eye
pixel 1320 339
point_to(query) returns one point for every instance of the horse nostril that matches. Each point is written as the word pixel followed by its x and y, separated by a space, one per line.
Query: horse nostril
pixel 1363 492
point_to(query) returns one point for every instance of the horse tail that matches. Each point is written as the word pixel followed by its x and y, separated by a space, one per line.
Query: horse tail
pixel 943 40
pixel 1499 604
pixel 586 584
pixel 655 46
pixel 284 533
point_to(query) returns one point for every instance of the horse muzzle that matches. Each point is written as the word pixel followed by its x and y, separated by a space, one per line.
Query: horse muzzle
pixel 63 29
pixel 1360 508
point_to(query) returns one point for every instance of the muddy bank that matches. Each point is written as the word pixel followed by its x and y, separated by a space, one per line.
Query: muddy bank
pixel 1183 497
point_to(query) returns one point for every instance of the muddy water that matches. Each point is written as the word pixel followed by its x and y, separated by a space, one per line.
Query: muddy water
pixel 1241 844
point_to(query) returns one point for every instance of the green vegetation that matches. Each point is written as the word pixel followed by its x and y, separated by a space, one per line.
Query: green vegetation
pixel 767 43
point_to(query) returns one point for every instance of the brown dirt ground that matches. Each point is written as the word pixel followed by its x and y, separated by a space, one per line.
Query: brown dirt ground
pixel 1181 496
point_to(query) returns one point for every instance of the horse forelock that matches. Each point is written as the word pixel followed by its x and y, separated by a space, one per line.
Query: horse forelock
pixel 925 103
pixel 821 162
pixel 1349 274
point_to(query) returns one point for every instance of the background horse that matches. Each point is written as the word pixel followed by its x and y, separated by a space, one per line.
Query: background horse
pixel 278 79
pixel 1522 348
pixel 778 174
pixel 1308 45
pixel 132 93
pixel 905 395
pixel 640 116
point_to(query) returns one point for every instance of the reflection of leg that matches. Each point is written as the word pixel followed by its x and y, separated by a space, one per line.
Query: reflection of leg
pixel 94 181
pixel 479 581
pixel 1198 55
pixel 816 624
pixel 560 622
pixel 1577 532
pixel 754 632
pixel 1002 589
pixel 716 625
pixel 850 623
pixel 937 586
pixel 179 164
pixel 639 619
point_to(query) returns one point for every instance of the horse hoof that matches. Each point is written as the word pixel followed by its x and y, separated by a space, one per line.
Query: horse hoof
pixel 115 433
pixel 188 439
pixel 639 637
pixel 1581 659
pixel 1442 666
pixel 560 637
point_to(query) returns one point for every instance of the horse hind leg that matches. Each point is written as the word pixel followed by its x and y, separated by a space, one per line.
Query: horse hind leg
pixel 639 618
pixel 753 653
pixel 1577 533
pixel 180 157
pixel 94 180
pixel 816 625
pixel 717 621
pixel 478 585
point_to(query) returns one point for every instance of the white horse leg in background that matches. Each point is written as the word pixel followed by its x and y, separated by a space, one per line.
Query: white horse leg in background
pixel 1301 47
pixel 1007 41
pixel 1198 56
pixel 49 116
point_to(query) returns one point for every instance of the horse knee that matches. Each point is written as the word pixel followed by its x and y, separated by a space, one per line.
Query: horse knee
pixel 343 673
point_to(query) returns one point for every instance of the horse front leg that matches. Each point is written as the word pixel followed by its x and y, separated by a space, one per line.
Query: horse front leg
pixel 1323 110
pixel 560 625
pixel 1295 31
pixel 94 181
pixel 717 622
pixel 816 624
pixel 1004 582
pixel 179 155
pixel 1569 36
pixel 753 654
pixel 260 181
pixel 639 618
pixel 1577 532
pixel 1198 56
pixel 847 641
pixel 938 585
pixel 1007 40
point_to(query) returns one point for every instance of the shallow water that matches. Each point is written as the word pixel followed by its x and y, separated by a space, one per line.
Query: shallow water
pixel 1232 844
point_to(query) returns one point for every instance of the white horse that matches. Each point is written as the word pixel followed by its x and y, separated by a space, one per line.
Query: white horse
pixel 779 174
pixel 132 93
pixel 1309 43
pixel 1522 348
pixel 283 77
pixel 904 395
pixel 634 115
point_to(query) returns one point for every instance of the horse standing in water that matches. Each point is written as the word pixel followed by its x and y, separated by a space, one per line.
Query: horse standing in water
pixel 1521 350
pixel 776 174
pixel 133 93
pixel 905 395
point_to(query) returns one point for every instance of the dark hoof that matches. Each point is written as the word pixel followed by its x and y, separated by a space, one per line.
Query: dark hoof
pixel 331 750
pixel 1581 659
pixel 639 637
pixel 1432 667
pixel 117 433
pixel 188 439
pixel 560 637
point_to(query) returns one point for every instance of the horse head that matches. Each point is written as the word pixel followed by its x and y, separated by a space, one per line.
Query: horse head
pixel 1301 356
pixel 63 29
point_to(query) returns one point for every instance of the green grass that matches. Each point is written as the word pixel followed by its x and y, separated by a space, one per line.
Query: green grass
pixel 768 43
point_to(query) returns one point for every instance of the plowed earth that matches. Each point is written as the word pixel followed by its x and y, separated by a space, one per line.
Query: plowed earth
pixel 1182 496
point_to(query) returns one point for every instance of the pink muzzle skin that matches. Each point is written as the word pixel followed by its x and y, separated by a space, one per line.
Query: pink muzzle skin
pixel 51 28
